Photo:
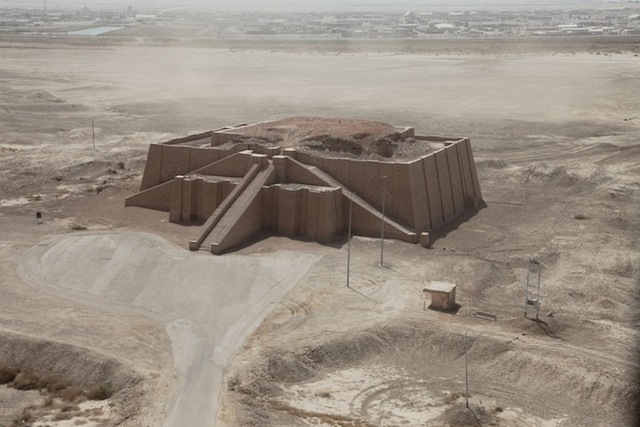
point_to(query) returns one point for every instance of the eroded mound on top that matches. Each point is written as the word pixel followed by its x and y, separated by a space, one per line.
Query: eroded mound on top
pixel 329 136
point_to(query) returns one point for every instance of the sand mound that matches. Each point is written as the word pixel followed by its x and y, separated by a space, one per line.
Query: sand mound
pixel 34 101
pixel 563 176
pixel 580 177
pixel 61 369
pixel 548 326
pixel 79 365
pixel 459 415
pixel 491 163
pixel 326 135
pixel 402 344
pixel 427 366
pixel 44 108
pixel 16 95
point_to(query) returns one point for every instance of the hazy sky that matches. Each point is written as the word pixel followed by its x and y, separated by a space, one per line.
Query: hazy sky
pixel 306 4
pixel 265 3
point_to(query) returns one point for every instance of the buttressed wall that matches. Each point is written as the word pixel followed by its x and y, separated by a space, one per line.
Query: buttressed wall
pixel 239 184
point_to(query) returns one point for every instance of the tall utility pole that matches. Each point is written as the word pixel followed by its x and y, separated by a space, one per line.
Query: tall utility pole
pixel 349 241
pixel 93 135
pixel 384 191
pixel 466 377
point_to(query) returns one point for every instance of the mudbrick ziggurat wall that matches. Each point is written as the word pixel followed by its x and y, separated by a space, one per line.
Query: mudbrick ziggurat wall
pixel 276 177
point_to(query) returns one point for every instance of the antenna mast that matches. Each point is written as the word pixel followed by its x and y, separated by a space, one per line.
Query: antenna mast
pixel 532 298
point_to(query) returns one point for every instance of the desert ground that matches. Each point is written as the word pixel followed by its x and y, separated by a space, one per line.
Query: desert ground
pixel 271 334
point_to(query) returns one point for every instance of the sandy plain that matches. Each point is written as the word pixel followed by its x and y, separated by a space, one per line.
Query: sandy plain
pixel 271 335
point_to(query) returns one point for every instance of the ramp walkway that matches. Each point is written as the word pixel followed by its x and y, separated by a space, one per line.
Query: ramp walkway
pixel 243 219
pixel 223 229
pixel 217 215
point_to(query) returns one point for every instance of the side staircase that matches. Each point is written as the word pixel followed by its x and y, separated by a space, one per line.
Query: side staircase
pixel 242 220
pixel 392 228
pixel 224 229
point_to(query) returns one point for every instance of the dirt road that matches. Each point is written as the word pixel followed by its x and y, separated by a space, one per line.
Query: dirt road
pixel 210 304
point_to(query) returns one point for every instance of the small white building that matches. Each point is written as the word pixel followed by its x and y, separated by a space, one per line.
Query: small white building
pixel 442 295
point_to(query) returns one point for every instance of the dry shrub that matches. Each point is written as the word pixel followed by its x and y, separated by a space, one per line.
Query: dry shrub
pixel 100 391
pixel 28 380
pixel 234 383
pixel 96 412
pixel 74 393
pixel 55 382
pixel 24 418
pixel 71 393
pixel 360 135
pixel 331 419
pixel 491 163
pixel 8 373
pixel 451 398
pixel 48 402
pixel 63 416
pixel 69 408
pixel 623 267
pixel 289 368
pixel 80 422
pixel 458 415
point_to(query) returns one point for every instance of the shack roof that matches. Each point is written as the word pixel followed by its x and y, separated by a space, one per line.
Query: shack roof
pixel 439 287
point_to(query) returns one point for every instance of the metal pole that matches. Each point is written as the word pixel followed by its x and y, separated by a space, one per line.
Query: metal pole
pixel 349 241
pixel 466 377
pixel 93 135
pixel 526 289
pixel 538 292
pixel 384 190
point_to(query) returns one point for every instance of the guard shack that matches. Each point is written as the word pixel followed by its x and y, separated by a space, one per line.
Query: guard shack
pixel 441 294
